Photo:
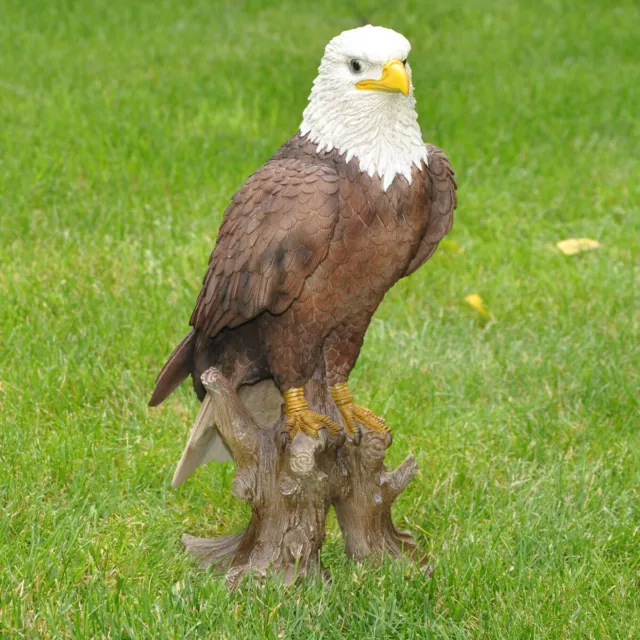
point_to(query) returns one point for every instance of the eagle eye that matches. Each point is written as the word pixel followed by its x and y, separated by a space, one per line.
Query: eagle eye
pixel 355 66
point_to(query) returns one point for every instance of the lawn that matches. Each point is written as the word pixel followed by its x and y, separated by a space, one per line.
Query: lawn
pixel 125 127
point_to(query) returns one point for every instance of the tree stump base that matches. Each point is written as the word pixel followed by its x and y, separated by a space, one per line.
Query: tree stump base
pixel 362 498
pixel 290 488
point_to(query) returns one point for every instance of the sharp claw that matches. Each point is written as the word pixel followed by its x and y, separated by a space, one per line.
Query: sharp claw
pixel 341 438
pixel 355 436
pixel 314 425
pixel 357 417
pixel 323 438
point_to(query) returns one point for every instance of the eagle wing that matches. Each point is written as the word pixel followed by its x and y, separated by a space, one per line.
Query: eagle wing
pixel 443 203
pixel 274 234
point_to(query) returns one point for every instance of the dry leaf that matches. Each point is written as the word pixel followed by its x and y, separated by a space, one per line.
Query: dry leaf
pixel 475 301
pixel 571 246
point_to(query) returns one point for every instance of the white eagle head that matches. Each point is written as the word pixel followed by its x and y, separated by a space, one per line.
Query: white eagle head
pixel 362 103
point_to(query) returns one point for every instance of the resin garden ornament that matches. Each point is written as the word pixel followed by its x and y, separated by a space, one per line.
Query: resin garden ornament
pixel 307 249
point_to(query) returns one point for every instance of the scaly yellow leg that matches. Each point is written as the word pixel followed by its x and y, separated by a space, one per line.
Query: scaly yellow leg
pixel 354 414
pixel 301 418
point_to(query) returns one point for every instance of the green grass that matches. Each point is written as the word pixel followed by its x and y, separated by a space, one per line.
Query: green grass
pixel 125 127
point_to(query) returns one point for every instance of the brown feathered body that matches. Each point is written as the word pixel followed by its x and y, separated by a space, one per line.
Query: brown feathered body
pixel 306 251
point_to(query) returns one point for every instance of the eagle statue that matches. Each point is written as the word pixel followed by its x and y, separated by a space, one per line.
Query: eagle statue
pixel 313 240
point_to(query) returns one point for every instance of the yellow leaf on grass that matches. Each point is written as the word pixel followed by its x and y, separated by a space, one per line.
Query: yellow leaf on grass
pixel 475 301
pixel 571 246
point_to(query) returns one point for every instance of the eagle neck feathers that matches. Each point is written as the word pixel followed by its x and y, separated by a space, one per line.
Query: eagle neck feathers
pixel 382 133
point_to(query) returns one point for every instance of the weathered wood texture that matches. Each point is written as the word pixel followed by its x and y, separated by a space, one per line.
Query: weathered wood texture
pixel 291 485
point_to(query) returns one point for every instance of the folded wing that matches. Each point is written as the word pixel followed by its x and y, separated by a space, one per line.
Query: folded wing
pixel 443 203
pixel 274 235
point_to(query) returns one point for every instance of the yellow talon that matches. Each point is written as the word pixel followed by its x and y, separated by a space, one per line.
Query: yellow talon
pixel 354 414
pixel 301 418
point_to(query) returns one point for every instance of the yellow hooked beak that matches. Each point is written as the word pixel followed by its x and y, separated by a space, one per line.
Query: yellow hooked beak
pixel 394 79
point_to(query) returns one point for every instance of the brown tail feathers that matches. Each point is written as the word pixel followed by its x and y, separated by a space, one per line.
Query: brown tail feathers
pixel 177 368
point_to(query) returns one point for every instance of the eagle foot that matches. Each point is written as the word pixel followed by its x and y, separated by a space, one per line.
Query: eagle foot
pixel 300 419
pixel 311 424
pixel 354 415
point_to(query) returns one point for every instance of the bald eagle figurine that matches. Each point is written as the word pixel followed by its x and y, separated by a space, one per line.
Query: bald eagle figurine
pixel 313 240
